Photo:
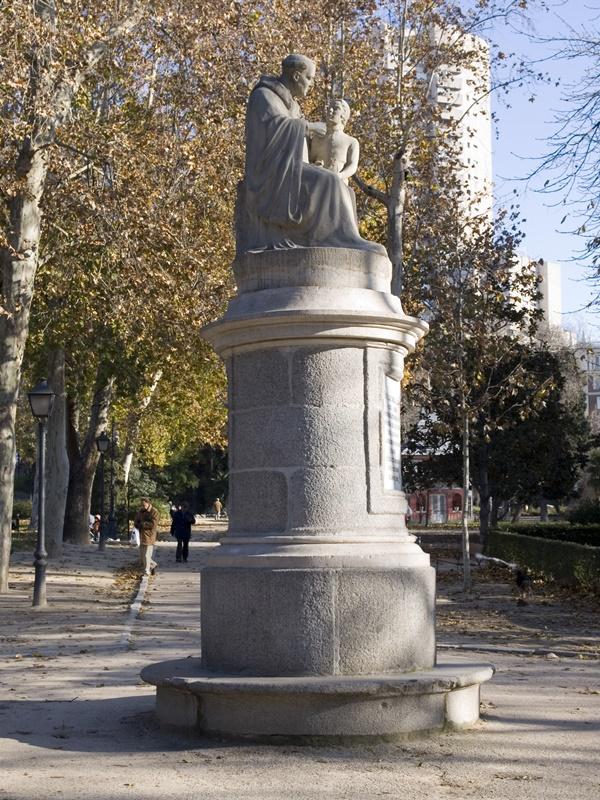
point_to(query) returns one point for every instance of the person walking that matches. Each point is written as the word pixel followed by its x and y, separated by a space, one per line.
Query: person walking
pixel 96 528
pixel 146 521
pixel 181 528
pixel 217 508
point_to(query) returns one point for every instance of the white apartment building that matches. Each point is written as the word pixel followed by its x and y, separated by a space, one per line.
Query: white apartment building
pixel 588 356
pixel 550 302
pixel 550 289
pixel 461 96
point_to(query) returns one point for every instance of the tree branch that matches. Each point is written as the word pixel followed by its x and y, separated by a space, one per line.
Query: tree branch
pixel 45 126
pixel 371 191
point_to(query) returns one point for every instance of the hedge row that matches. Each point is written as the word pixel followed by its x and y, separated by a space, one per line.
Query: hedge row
pixel 565 562
pixel 565 532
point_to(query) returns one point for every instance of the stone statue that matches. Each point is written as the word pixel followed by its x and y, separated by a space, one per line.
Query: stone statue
pixel 284 201
pixel 336 151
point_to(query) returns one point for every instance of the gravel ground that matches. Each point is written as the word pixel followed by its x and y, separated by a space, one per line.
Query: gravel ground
pixel 76 721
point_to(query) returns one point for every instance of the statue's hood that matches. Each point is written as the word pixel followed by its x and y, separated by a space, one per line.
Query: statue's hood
pixel 275 85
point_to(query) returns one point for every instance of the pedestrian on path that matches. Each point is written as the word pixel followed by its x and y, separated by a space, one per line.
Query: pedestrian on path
pixel 96 528
pixel 146 521
pixel 217 508
pixel 181 528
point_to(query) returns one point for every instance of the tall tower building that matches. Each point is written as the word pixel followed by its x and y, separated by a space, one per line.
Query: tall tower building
pixel 550 289
pixel 462 97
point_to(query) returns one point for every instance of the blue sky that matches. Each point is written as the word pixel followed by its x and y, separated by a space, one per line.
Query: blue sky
pixel 522 130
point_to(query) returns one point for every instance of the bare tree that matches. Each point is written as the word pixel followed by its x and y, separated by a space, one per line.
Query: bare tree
pixel 571 164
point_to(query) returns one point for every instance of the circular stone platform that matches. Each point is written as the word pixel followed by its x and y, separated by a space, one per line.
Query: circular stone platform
pixel 386 705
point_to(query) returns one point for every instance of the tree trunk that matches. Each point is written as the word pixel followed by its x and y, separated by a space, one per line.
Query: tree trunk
pixel 395 209
pixel 516 512
pixel 466 550
pixel 83 459
pixel 543 509
pixel 495 512
pixel 127 462
pixel 19 264
pixel 57 463
pixel 77 510
pixel 134 424
pixel 484 519
pixel 484 494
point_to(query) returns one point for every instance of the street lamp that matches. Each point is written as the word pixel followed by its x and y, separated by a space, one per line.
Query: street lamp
pixel 102 444
pixel 41 400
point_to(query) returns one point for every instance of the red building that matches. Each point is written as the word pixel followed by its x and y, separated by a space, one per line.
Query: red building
pixel 437 505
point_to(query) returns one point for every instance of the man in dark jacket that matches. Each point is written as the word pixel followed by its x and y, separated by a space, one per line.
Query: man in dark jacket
pixel 181 528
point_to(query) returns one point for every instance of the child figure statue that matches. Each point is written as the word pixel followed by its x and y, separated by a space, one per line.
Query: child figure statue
pixel 336 151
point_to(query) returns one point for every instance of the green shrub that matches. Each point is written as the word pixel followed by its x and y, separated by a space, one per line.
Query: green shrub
pixel 22 508
pixel 565 562
pixel 558 531
pixel 586 512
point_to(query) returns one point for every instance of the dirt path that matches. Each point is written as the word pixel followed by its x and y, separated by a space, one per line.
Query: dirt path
pixel 550 619
pixel 77 723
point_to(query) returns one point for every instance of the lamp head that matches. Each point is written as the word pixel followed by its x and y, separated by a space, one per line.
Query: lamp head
pixel 41 400
pixel 103 442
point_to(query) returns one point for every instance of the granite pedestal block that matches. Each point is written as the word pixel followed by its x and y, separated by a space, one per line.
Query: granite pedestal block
pixel 320 621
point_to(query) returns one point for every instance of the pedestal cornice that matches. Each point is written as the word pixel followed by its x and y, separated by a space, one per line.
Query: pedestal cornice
pixel 277 328
pixel 323 294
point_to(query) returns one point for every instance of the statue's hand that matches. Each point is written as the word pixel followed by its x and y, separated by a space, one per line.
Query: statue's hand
pixel 317 128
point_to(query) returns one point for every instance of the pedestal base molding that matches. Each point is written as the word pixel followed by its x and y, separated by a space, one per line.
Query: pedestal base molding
pixel 386 705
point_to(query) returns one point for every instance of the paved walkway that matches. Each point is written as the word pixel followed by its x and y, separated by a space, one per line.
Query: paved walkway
pixel 76 721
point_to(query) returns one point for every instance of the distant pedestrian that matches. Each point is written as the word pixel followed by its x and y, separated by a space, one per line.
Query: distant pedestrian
pixel 217 508
pixel 96 528
pixel 146 521
pixel 181 528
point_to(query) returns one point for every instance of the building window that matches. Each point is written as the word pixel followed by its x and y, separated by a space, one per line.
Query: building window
pixel 438 508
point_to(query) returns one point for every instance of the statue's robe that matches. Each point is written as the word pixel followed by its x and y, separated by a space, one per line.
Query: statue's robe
pixel 284 201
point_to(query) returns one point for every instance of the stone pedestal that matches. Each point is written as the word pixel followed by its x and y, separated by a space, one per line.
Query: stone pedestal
pixel 318 607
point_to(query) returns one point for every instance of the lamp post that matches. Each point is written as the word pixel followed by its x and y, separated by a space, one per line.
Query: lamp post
pixel 102 444
pixel 41 400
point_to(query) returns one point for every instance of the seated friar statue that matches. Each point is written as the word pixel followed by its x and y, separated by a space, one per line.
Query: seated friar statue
pixel 285 201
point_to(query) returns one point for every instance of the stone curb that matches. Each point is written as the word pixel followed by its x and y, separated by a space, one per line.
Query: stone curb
pixel 519 651
pixel 134 612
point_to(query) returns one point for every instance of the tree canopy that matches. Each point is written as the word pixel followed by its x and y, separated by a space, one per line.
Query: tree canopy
pixel 121 148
